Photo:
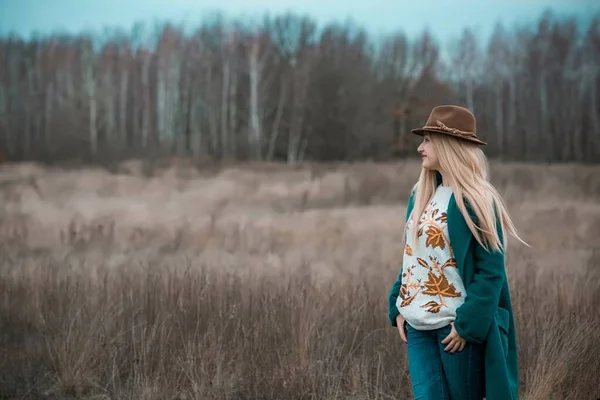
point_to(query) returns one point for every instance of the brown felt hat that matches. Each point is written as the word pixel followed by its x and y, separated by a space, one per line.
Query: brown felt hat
pixel 451 120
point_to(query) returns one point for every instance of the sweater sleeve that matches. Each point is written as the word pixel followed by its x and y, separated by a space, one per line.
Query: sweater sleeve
pixel 395 290
pixel 475 316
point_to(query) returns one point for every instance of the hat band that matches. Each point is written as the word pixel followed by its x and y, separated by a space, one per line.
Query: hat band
pixel 443 127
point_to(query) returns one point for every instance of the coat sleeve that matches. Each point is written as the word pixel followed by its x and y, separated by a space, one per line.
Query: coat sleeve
pixel 392 297
pixel 475 316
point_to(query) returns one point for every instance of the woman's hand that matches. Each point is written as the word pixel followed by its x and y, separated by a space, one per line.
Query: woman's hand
pixel 401 329
pixel 455 342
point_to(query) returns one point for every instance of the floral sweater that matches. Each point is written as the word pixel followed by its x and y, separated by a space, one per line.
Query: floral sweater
pixel 432 288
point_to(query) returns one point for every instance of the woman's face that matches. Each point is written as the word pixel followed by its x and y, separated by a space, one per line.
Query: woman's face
pixel 429 159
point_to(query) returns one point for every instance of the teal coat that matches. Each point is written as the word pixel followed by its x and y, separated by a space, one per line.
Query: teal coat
pixel 486 315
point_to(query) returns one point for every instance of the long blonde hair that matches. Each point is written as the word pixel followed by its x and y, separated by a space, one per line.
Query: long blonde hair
pixel 466 170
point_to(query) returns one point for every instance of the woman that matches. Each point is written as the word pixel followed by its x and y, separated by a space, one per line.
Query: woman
pixel 451 301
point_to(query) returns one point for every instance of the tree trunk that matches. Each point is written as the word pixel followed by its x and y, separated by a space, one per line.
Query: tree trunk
pixel 224 108
pixel 277 122
pixel 90 91
pixel 161 101
pixel 594 150
pixel 196 139
pixel 232 115
pixel 110 135
pixel 4 131
pixel 146 101
pixel 543 121
pixel 469 94
pixel 298 109
pixel 254 130
pixel 30 116
pixel 92 125
pixel 124 86
pixel 210 112
pixel 48 114
pixel 512 109
pixel 499 118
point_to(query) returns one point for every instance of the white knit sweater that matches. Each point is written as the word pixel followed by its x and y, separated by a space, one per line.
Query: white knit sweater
pixel 432 288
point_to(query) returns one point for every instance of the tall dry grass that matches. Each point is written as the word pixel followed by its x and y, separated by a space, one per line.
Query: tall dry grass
pixel 264 281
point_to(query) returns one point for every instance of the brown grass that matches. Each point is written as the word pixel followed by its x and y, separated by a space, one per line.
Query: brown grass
pixel 264 281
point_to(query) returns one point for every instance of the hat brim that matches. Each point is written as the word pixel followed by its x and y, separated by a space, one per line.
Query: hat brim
pixel 421 132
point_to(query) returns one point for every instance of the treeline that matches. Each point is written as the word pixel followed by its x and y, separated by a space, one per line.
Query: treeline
pixel 287 89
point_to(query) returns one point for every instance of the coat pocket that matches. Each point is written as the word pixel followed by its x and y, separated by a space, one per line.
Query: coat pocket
pixel 502 319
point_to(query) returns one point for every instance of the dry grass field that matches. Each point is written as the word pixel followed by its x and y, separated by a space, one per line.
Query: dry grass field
pixel 260 281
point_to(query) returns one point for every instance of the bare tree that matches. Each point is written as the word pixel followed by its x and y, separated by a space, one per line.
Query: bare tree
pixel 466 62
pixel 499 76
pixel 257 53
pixel 89 76
pixel 402 66
pixel 292 37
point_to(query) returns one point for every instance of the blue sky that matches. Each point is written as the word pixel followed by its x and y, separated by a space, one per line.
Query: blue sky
pixel 444 18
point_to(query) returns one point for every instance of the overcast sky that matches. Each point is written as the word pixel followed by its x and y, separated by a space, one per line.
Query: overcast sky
pixel 444 18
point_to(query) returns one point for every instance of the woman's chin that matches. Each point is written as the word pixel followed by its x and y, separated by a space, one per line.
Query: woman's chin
pixel 430 167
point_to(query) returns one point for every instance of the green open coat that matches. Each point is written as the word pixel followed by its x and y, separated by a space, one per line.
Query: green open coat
pixel 486 315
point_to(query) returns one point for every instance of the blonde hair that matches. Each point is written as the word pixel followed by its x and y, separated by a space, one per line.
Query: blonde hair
pixel 466 170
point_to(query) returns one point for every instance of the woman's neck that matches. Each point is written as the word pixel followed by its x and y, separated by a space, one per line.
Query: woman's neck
pixel 444 181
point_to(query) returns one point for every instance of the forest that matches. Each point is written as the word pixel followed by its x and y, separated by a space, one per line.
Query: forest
pixel 285 89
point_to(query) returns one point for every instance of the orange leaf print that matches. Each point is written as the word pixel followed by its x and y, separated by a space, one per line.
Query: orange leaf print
pixel 443 218
pixel 409 300
pixel 422 263
pixel 439 285
pixel 433 307
pixel 450 263
pixel 435 262
pixel 408 250
pixel 403 291
pixel 435 237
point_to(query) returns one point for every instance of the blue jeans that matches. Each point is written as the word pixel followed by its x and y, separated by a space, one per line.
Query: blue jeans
pixel 439 375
